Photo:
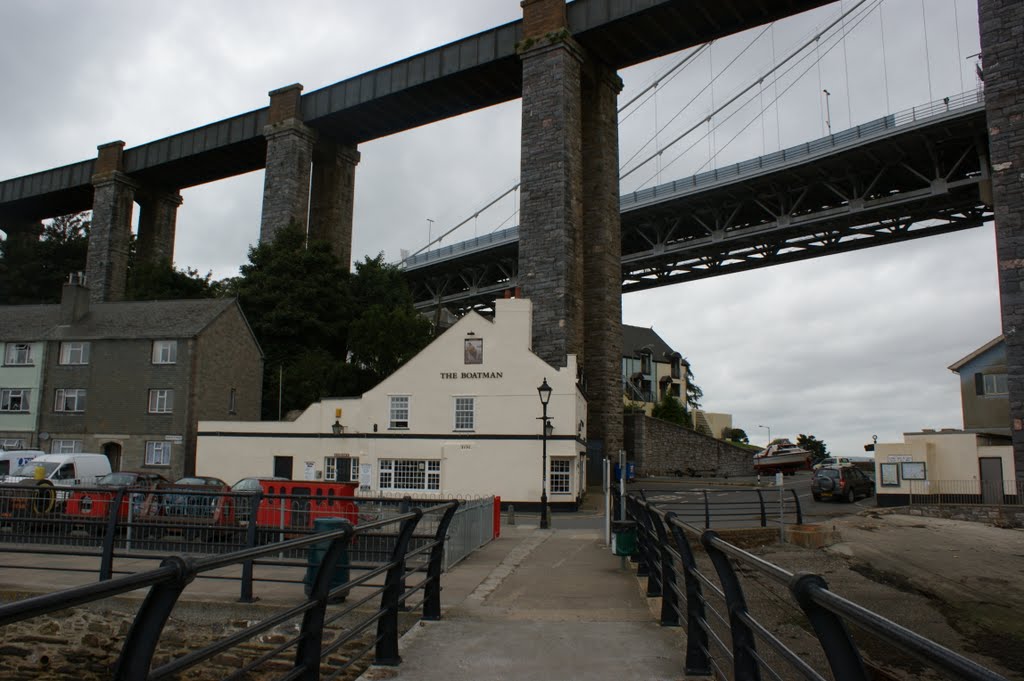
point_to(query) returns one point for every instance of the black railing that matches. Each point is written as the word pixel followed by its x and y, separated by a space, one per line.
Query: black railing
pixel 751 505
pixel 309 649
pixel 698 576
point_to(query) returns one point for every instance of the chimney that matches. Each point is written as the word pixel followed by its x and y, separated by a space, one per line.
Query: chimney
pixel 74 301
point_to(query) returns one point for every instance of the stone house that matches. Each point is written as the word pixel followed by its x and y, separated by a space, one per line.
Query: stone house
pixel 127 379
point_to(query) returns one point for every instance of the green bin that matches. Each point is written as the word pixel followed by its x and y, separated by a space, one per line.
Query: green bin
pixel 623 537
pixel 317 552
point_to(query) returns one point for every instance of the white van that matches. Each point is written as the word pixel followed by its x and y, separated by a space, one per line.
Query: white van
pixel 11 459
pixel 63 470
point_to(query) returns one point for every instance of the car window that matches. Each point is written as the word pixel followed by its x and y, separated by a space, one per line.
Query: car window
pixel 246 485
pixel 117 479
pixel 829 473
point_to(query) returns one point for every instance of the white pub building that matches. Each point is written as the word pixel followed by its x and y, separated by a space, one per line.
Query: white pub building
pixel 460 419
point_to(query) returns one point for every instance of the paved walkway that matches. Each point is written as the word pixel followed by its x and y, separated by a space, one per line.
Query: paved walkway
pixel 540 604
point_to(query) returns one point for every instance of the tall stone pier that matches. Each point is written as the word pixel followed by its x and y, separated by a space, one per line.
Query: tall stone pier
pixel 1002 54
pixel 569 232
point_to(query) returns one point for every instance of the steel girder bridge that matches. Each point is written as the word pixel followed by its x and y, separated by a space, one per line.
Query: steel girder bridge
pixel 917 173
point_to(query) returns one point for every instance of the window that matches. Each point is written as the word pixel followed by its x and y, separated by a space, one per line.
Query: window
pixel 561 472
pixel 233 402
pixel 18 354
pixel 676 367
pixel 165 352
pixel 995 384
pixel 410 474
pixel 158 453
pixel 341 469
pixel 11 444
pixel 464 413
pixel 399 415
pixel 15 399
pixel 161 401
pixel 70 399
pixel 675 390
pixel 645 362
pixel 74 353
pixel 65 446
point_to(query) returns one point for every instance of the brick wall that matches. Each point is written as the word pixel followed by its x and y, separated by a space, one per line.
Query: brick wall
pixel 662 448
pixel 1002 49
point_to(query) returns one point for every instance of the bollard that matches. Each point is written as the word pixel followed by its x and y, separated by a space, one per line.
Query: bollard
pixel 511 514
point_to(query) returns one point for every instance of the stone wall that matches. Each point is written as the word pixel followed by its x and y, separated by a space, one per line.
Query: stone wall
pixel 662 448
pixel 1000 516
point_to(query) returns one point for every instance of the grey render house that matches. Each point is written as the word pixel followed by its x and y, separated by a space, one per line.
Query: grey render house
pixel 128 379
pixel 984 397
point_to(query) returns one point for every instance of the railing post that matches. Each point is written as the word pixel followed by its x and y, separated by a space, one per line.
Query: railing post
pixel 648 551
pixel 387 626
pixel 109 534
pixel 667 579
pixel 843 657
pixel 432 591
pixel 764 514
pixel 799 511
pixel 745 667
pixel 697 661
pixel 642 566
pixel 137 652
pixel 307 653
pixel 707 510
pixel 250 541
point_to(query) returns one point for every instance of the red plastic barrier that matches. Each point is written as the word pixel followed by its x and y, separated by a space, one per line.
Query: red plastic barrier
pixel 497 517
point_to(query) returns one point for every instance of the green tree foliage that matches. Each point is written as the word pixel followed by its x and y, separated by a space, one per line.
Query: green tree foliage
pixel 33 268
pixel 812 444
pixel 736 435
pixel 164 282
pixel 324 332
pixel 693 392
pixel 670 409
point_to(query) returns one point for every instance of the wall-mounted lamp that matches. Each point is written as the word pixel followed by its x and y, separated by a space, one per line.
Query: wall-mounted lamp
pixel 337 428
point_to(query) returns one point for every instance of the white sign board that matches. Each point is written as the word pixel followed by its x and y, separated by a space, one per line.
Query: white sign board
pixel 900 459
pixel 174 438
pixel 310 472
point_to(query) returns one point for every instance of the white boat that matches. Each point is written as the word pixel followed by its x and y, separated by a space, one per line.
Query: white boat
pixel 782 455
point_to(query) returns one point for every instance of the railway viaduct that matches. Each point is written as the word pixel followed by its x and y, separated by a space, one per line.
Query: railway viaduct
pixel 562 60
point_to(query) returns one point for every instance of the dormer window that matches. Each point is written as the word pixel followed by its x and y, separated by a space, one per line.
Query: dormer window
pixel 645 362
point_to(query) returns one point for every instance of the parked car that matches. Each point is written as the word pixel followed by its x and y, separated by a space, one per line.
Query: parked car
pixel 833 461
pixel 93 503
pixel 196 497
pixel 841 482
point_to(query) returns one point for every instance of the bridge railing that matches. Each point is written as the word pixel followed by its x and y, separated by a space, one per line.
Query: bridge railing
pixel 700 578
pixel 842 138
pixel 309 648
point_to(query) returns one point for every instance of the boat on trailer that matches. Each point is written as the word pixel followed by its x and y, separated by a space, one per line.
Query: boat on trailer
pixel 782 456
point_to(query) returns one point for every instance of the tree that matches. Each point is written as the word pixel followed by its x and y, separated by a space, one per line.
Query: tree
pixel 165 282
pixel 33 268
pixel 693 392
pixel 812 444
pixel 736 435
pixel 672 410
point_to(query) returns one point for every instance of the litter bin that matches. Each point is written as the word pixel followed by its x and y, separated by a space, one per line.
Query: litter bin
pixel 623 537
pixel 316 556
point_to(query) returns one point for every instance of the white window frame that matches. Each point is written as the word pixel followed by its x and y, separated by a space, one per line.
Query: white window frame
pixel 992 384
pixel 161 401
pixel 465 412
pixel 12 444
pixel 74 353
pixel 8 395
pixel 165 352
pixel 399 405
pixel 65 446
pixel 332 464
pixel 69 400
pixel 18 355
pixel 158 453
pixel 560 476
pixel 413 475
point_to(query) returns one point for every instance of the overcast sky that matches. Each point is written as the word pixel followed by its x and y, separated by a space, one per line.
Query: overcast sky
pixel 841 347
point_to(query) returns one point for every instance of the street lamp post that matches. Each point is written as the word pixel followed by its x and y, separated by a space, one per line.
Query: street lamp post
pixel 544 390
pixel 769 429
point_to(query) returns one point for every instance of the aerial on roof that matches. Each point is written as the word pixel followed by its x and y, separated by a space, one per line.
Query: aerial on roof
pixel 135 319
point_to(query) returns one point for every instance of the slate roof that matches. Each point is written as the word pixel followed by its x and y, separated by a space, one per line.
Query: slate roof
pixel 136 319
pixel 636 338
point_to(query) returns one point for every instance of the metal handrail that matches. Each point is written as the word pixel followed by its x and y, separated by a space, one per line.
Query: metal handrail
pixel 167 582
pixel 827 613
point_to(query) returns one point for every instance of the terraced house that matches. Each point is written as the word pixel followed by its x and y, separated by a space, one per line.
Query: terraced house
pixel 127 379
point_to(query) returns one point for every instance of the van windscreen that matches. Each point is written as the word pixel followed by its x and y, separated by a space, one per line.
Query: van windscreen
pixel 28 470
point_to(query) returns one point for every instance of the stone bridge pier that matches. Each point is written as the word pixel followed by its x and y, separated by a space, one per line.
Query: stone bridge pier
pixel 570 246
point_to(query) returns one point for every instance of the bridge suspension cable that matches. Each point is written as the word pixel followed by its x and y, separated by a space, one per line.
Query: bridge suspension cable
pixel 792 55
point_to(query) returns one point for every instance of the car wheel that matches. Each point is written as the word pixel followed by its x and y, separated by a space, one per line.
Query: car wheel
pixel 817 497
pixel 850 496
